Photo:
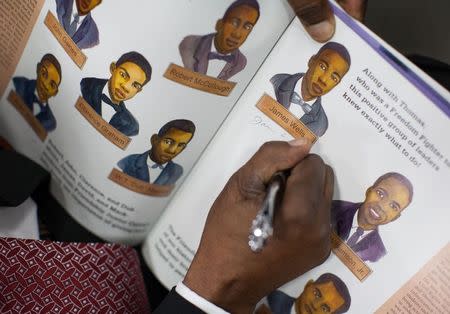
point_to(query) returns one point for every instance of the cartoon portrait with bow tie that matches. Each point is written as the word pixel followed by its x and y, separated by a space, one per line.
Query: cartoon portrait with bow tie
pixel 155 166
pixel 358 223
pixel 218 54
pixel 76 19
pixel 129 74
pixel 301 93
pixel 36 93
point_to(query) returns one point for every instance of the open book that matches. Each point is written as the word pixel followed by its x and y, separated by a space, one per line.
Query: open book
pixel 240 75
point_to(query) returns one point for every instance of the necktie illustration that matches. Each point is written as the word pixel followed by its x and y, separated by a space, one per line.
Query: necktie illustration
pixel 355 237
pixel 73 25
pixel 108 101
pixel 214 55
pixel 296 99
pixel 55 277
pixel 156 166
pixel 36 100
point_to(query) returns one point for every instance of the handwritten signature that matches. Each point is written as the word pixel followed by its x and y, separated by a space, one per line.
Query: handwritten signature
pixel 259 121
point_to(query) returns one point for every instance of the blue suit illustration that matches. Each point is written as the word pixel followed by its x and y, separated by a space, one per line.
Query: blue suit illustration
pixel 86 35
pixel 136 166
pixel 122 120
pixel 284 84
pixel 280 302
pixel 26 88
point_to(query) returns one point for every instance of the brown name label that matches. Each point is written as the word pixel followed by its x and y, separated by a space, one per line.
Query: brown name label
pixel 27 114
pixel 353 262
pixel 199 81
pixel 281 116
pixel 139 186
pixel 428 291
pixel 104 128
pixel 64 40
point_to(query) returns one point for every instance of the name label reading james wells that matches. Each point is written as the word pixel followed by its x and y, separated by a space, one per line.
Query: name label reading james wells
pixel 281 116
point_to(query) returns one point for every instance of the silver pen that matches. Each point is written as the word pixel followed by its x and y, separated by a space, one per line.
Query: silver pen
pixel 262 226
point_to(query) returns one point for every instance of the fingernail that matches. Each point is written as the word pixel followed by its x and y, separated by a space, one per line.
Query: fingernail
pixel 322 31
pixel 298 142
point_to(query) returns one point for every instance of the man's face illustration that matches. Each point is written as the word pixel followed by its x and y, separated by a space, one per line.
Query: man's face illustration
pixel 86 6
pixel 384 202
pixel 126 81
pixel 319 298
pixel 325 71
pixel 47 81
pixel 232 31
pixel 169 145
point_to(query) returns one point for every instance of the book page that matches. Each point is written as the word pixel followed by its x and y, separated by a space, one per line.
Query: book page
pixel 16 22
pixel 380 127
pixel 118 100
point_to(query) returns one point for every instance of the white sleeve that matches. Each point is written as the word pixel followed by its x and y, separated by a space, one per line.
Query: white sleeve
pixel 197 300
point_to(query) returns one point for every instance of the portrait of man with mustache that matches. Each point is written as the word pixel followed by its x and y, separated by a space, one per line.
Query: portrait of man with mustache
pixel 218 54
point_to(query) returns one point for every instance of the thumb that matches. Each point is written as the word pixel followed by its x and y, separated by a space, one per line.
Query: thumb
pixel 356 8
pixel 316 16
pixel 269 159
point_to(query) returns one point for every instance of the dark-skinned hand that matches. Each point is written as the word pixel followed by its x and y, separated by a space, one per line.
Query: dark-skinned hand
pixel 225 271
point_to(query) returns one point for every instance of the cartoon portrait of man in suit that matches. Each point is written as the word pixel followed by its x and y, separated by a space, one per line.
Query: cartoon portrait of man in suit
pixel 36 93
pixel 357 223
pixel 218 54
pixel 328 294
pixel 107 97
pixel 301 93
pixel 155 166
pixel 76 19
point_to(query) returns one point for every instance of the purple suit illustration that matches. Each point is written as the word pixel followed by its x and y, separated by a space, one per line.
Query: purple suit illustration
pixel 195 53
pixel 371 247
pixel 85 35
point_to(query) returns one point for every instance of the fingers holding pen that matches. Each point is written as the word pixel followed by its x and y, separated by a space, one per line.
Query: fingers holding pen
pixel 270 158
pixel 305 213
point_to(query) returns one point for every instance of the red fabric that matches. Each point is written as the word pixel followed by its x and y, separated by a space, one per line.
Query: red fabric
pixel 55 277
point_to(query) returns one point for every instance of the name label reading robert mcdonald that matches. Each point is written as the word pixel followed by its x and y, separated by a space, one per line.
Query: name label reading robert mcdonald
pixel 353 262
pixel 281 116
pixel 64 40
pixel 199 81
pixel 104 128
pixel 139 186
pixel 27 114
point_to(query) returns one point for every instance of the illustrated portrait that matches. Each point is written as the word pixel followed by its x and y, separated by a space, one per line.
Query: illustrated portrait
pixel 76 19
pixel 128 76
pixel 301 93
pixel 156 165
pixel 358 223
pixel 36 93
pixel 218 54
pixel 328 294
